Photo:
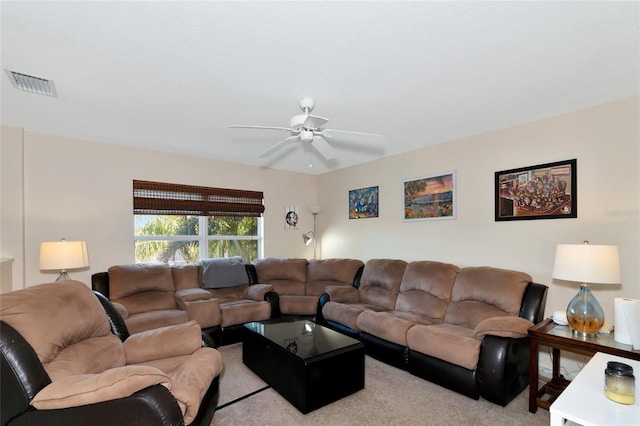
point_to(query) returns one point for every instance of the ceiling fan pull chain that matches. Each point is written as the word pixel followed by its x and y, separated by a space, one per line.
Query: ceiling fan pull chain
pixel 310 165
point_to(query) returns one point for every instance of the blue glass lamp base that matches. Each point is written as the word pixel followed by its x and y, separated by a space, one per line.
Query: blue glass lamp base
pixel 584 314
pixel 64 276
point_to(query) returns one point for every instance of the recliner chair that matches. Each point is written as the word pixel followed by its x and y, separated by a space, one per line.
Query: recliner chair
pixel 62 365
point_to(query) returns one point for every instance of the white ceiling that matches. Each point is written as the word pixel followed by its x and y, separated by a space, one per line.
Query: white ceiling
pixel 171 76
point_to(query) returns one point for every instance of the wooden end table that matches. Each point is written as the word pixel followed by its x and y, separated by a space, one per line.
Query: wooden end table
pixel 561 337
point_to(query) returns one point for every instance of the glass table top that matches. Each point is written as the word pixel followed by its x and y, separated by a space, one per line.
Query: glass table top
pixel 602 339
pixel 303 338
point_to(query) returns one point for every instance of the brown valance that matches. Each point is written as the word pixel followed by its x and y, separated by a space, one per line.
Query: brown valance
pixel 158 198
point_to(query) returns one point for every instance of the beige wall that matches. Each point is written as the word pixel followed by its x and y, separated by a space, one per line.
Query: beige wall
pixel 82 190
pixel 604 140
pixel 11 209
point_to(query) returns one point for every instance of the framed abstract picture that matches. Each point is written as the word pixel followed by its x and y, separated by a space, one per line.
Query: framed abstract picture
pixel 430 197
pixel 363 203
pixel 545 191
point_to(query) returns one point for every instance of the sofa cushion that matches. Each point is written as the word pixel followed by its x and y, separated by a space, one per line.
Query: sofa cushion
pixel 163 342
pixel 142 287
pixel 88 356
pixel 43 304
pixel 154 319
pixel 125 280
pixel 426 289
pixel 242 311
pixel 484 292
pixel 380 282
pixel 385 325
pixel 325 272
pixel 84 389
pixel 270 269
pixel 224 272
pixel 298 305
pixel 186 276
pixel 447 342
pixel 287 276
pixel 346 314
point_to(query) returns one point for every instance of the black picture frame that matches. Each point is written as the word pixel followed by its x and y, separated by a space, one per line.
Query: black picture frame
pixel 543 191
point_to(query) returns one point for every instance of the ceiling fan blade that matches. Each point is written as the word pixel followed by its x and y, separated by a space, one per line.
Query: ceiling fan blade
pixel 241 126
pixel 324 148
pixel 277 146
pixel 329 131
pixel 314 122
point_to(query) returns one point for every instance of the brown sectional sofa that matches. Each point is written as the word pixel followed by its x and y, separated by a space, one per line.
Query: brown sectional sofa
pixel 463 328
pixel 149 296
pixel 300 282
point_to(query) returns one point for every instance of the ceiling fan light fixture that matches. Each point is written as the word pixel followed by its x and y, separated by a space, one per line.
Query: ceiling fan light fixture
pixel 30 83
pixel 306 135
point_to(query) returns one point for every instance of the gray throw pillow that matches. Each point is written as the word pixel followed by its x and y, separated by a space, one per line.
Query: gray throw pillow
pixel 224 272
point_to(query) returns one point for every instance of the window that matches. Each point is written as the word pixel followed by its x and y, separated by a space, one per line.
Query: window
pixel 179 224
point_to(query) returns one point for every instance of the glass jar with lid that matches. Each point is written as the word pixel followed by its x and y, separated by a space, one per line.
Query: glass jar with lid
pixel 619 383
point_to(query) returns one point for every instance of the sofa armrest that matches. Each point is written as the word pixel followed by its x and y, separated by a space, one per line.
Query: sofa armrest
pixel 503 368
pixel 192 295
pixel 163 342
pixel 84 389
pixel 100 283
pixel 154 405
pixel 257 292
pixel 343 294
pixel 504 326
pixel 204 312
pixel 534 301
pixel 124 313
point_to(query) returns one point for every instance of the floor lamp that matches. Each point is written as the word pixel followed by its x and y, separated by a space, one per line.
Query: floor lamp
pixel 314 210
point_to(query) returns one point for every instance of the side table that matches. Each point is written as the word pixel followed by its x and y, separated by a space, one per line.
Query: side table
pixel 560 337
pixel 584 401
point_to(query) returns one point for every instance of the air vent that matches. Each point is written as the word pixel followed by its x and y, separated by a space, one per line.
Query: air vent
pixel 32 84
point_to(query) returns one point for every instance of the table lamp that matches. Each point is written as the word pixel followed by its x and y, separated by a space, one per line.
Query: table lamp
pixel 63 255
pixel 586 263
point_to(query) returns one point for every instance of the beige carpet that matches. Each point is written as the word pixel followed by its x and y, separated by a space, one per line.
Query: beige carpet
pixel 390 397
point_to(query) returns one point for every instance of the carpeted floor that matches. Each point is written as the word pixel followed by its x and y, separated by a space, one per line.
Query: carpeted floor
pixel 390 397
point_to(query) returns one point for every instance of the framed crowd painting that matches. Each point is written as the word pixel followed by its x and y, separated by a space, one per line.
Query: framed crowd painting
pixel 545 191
pixel 430 197
pixel 363 203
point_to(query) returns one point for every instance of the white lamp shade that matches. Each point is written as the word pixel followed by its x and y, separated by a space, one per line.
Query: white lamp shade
pixel 586 263
pixel 315 209
pixel 62 255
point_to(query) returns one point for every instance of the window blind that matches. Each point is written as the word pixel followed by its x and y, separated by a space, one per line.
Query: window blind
pixel 158 198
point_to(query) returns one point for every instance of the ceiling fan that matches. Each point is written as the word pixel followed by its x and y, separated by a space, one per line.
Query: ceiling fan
pixel 306 128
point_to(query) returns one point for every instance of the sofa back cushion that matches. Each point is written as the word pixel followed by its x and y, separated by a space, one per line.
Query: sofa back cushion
pixel 287 276
pixel 380 282
pixel 326 272
pixel 426 289
pixel 224 272
pixel 186 276
pixel 142 287
pixel 484 292
pixel 66 326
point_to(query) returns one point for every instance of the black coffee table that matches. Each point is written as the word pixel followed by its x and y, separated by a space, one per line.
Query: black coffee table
pixel 308 364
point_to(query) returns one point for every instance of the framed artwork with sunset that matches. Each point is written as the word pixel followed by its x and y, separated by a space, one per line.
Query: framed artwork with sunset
pixel 431 197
